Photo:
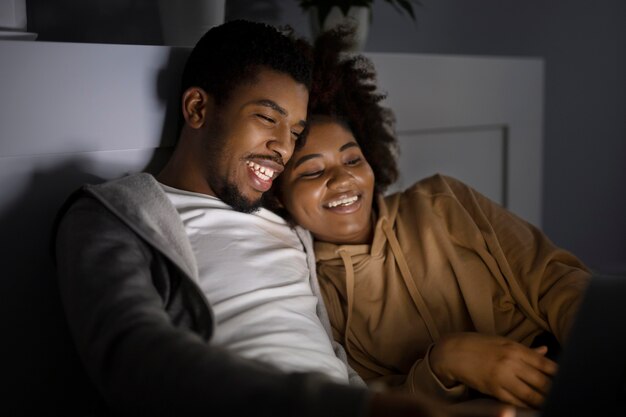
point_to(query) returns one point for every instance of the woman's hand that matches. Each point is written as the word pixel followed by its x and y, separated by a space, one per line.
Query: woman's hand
pixel 494 365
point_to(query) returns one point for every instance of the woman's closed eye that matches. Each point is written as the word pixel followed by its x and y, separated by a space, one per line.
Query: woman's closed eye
pixel 353 161
pixel 311 174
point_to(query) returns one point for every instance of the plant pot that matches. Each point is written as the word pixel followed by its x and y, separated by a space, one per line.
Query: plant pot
pixel 184 22
pixel 13 21
pixel 13 15
pixel 357 17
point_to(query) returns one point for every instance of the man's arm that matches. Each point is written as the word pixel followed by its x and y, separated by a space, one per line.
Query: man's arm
pixel 143 364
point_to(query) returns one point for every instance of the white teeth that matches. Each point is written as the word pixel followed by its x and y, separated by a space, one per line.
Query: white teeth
pixel 343 202
pixel 263 173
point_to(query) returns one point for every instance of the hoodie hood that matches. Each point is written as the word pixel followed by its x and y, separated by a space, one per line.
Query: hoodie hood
pixel 141 203
pixel 341 263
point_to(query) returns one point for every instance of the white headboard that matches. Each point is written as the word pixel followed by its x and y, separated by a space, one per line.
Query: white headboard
pixel 76 113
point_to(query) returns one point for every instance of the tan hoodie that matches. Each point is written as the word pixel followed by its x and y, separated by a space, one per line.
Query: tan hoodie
pixel 443 259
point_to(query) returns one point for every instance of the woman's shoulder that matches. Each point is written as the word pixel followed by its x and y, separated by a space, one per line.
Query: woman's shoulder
pixel 435 193
pixel 438 184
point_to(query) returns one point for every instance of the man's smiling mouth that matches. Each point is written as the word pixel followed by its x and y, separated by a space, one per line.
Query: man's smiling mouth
pixel 264 173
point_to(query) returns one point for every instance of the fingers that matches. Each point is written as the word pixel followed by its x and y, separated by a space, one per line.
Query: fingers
pixel 539 361
pixel 536 379
pixel 524 377
pixel 496 366
pixel 508 397
pixel 525 395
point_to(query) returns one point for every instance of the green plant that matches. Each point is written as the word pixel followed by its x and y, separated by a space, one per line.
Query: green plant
pixel 324 6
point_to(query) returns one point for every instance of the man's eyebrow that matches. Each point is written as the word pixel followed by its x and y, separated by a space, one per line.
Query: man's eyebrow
pixel 273 105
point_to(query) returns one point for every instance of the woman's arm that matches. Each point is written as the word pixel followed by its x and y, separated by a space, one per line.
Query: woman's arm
pixel 494 365
pixel 547 282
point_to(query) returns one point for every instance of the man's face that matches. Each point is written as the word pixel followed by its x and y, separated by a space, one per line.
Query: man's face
pixel 252 136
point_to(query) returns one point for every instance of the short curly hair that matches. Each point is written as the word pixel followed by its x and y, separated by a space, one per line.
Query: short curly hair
pixel 230 55
pixel 344 88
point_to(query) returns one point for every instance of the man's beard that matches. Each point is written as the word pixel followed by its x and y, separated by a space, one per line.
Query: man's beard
pixel 225 190
pixel 230 194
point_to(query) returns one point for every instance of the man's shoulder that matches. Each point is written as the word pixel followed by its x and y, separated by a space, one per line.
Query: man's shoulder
pixel 132 184
pixel 130 198
pixel 136 202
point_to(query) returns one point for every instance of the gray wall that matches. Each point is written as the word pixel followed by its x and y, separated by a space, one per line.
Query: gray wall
pixel 583 44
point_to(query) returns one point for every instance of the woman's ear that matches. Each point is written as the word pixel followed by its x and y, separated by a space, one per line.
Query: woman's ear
pixel 197 104
pixel 278 203
pixel 271 200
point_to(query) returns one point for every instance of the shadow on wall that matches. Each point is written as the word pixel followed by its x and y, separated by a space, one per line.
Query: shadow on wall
pixel 167 88
pixel 41 366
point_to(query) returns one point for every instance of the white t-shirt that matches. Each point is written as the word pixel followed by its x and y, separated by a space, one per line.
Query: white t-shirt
pixel 253 270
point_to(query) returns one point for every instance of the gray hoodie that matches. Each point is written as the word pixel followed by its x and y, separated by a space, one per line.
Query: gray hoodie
pixel 127 277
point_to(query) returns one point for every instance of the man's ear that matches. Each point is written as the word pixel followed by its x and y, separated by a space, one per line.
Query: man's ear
pixel 197 105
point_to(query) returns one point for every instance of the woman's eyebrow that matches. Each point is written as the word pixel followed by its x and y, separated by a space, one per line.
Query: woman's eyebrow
pixel 306 158
pixel 348 145
pixel 317 155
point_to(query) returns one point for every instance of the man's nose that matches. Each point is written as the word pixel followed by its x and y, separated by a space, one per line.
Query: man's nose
pixel 282 143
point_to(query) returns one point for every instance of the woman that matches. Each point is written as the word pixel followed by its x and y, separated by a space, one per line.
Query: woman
pixel 436 288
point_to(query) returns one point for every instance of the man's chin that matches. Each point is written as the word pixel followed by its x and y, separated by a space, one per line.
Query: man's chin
pixel 248 208
pixel 231 195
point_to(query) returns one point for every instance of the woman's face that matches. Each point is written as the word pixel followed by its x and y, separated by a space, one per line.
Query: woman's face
pixel 328 186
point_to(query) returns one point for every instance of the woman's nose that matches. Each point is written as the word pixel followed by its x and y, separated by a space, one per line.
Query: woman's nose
pixel 341 178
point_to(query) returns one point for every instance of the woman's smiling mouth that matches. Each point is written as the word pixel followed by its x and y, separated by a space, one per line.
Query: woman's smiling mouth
pixel 346 201
pixel 344 204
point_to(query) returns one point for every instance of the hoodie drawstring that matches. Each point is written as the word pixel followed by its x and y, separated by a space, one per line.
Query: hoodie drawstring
pixel 407 277
pixel 369 362
pixel 347 262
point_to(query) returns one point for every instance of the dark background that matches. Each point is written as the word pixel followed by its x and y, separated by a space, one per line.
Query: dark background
pixel 584 191
pixel 583 44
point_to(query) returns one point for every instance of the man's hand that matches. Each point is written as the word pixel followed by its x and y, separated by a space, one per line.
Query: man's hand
pixel 389 404
pixel 493 365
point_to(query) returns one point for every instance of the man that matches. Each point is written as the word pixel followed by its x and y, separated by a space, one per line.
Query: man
pixel 168 309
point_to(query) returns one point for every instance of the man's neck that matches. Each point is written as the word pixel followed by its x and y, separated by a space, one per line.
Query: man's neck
pixel 182 170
